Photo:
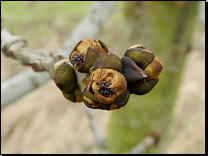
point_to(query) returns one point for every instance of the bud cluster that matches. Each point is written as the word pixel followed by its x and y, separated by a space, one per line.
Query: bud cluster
pixel 111 79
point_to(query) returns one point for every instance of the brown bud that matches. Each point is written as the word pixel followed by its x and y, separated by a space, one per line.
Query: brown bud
pixel 140 55
pixel 105 85
pixel 151 65
pixel 85 52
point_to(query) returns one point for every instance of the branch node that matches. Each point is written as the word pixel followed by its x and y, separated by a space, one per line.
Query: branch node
pixel 156 136
pixel 36 65
pixel 8 46
pixel 57 58
pixel 46 52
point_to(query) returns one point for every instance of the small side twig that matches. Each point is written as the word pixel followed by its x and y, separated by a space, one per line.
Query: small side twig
pixel 147 142
pixel 99 141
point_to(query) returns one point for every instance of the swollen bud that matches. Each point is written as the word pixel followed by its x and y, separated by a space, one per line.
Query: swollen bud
pixel 64 77
pixel 106 87
pixel 85 52
pixel 148 64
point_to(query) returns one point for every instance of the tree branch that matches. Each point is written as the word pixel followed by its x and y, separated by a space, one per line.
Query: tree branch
pixel 40 60
pixel 27 81
pixel 17 48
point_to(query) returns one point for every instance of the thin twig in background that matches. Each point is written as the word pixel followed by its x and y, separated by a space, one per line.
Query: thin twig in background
pixel 99 141
pixel 89 27
pixel 27 81
pixel 147 142
pixel 142 146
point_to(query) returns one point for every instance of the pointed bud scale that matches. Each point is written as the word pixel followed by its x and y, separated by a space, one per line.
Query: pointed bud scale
pixel 134 75
pixel 146 87
pixel 89 101
pixel 151 65
pixel 108 61
pixel 70 97
pixel 142 57
pixel 131 71
pixel 154 69
pixel 121 100
pixel 74 97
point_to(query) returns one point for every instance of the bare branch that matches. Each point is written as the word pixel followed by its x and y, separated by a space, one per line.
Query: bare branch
pixel 27 81
pixel 17 48
pixel 40 60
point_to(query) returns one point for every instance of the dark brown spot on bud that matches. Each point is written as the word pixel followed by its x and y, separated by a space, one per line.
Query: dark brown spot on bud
pixel 141 47
pixel 105 90
pixel 78 59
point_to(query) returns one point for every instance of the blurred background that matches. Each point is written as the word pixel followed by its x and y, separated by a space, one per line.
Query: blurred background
pixel 43 121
